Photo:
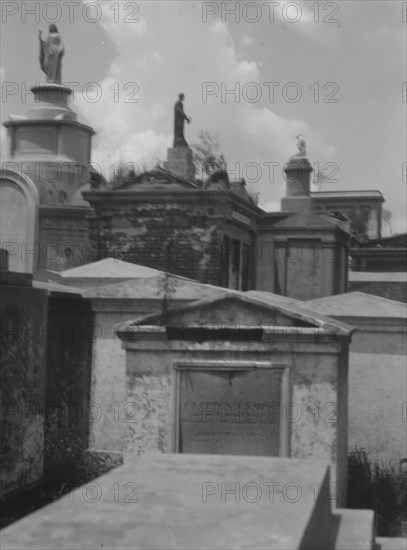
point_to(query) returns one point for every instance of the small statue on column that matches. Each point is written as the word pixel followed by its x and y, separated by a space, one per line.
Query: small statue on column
pixel 51 53
pixel 301 146
pixel 179 118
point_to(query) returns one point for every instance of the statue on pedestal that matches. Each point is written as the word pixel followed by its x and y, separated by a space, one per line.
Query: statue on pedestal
pixel 301 146
pixel 179 118
pixel 51 53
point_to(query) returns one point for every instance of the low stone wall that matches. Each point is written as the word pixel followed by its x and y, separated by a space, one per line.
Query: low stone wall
pixel 23 383
pixel 68 382
pixel 45 373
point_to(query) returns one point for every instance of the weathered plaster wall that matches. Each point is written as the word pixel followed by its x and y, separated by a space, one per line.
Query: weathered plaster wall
pixel 377 388
pixel 23 385
pixel 377 373
pixel 108 393
pixel 377 404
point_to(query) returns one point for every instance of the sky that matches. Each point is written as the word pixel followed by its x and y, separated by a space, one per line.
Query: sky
pixel 255 74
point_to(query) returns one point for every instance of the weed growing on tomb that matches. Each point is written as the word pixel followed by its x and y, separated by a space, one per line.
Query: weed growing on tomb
pixel 381 487
pixel 167 284
pixel 207 156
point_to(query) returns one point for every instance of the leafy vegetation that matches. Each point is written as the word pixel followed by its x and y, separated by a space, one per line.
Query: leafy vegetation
pixel 207 156
pixel 381 487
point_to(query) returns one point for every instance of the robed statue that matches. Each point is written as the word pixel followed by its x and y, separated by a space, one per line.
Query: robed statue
pixel 301 146
pixel 51 53
pixel 179 118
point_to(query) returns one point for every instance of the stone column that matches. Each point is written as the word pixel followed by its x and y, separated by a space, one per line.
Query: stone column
pixel 298 171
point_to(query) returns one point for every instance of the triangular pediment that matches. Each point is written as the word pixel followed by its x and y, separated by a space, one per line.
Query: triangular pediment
pixel 239 309
pixel 157 179
pixel 231 310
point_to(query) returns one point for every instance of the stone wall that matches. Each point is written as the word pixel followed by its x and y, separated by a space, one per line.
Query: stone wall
pixel 377 371
pixel 23 382
pixel 199 234
pixel 377 406
pixel 63 240
pixel 45 381
pixel 69 357
pixel 377 390
pixel 163 236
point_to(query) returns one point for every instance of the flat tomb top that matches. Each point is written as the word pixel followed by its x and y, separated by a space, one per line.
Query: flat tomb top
pixel 181 501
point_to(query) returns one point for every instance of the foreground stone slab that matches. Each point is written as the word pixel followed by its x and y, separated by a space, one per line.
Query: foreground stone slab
pixel 355 529
pixel 188 501
pixel 391 543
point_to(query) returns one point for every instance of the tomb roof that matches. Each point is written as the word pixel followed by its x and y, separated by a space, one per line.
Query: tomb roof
pixel 148 288
pixel 110 267
pixel 357 304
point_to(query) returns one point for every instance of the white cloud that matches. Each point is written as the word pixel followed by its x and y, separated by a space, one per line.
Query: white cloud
pixel 121 18
pixel 317 21
pixel 247 40
pixel 138 127
pixel 272 206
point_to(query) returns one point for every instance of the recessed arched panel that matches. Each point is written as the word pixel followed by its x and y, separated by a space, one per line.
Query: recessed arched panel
pixel 19 201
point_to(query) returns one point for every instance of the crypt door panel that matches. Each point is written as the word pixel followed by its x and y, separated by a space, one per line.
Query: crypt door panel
pixel 235 410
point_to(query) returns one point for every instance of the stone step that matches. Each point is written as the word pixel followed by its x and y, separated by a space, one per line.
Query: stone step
pixel 355 529
pixel 391 543
pixel 189 501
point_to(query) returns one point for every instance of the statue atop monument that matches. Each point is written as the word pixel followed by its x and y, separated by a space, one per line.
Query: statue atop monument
pixel 179 118
pixel 301 146
pixel 51 53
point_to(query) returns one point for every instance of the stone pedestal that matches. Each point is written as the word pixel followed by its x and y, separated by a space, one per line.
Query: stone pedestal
pixel 297 199
pixel 51 102
pixel 49 151
pixel 50 146
pixel 180 162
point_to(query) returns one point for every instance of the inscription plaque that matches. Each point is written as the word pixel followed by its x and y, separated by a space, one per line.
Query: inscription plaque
pixel 234 410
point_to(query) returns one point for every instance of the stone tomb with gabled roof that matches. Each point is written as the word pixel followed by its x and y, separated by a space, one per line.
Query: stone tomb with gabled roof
pixel 237 375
